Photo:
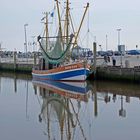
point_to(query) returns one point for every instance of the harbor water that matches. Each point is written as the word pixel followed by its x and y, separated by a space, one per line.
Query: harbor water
pixel 34 110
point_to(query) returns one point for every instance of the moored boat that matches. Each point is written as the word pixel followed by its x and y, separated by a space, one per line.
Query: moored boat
pixel 57 64
pixel 69 72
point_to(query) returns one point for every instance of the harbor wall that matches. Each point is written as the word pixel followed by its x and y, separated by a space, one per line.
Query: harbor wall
pixel 23 68
pixel 15 64
pixel 118 73
pixel 102 73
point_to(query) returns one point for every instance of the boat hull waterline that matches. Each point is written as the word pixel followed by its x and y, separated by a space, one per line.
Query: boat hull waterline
pixel 71 72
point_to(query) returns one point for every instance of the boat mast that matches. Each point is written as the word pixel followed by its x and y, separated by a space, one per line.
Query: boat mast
pixel 59 18
pixel 46 25
pixel 67 21
pixel 81 24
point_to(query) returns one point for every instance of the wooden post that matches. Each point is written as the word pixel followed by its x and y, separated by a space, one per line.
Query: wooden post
pixel 14 60
pixel 94 98
pixel 95 105
pixel 34 59
pixel 15 83
pixel 94 50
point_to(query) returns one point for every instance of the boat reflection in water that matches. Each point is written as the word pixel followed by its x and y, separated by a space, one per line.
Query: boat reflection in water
pixel 69 109
pixel 76 90
pixel 61 107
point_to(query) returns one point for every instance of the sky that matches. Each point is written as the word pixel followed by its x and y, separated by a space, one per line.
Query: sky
pixel 104 18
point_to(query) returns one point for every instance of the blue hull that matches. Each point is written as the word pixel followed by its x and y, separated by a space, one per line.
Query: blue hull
pixel 79 75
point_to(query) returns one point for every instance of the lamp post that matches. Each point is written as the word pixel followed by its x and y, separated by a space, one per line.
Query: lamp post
pixel 122 111
pixel 119 48
pixel 25 25
pixel 119 36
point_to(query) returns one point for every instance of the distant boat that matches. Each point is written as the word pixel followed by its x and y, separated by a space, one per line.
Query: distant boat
pixel 56 63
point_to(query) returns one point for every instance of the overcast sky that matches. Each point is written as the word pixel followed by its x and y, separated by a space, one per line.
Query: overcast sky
pixel 104 17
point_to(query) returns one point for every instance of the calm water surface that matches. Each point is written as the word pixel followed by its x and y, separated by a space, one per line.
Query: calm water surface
pixel 34 110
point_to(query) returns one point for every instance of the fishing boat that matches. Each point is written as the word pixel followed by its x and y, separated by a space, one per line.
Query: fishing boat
pixel 57 63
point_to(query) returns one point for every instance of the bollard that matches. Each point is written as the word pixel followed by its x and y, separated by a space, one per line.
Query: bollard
pixel 127 64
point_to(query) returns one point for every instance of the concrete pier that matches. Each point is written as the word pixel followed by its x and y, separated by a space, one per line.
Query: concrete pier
pixel 18 64
pixel 118 73
pixel 24 68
